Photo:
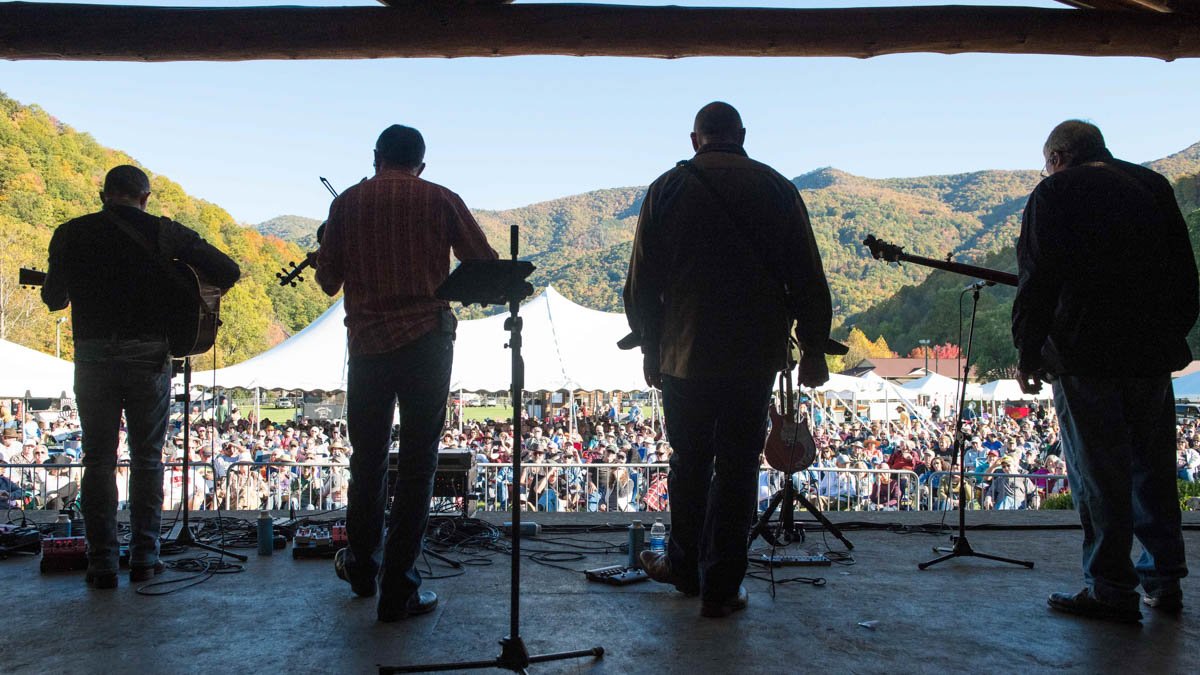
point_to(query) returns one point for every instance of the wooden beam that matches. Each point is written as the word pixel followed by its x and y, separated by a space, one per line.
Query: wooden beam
pixel 443 29
pixel 1163 6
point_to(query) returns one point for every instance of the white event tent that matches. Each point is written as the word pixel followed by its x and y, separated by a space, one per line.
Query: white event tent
pixel 565 346
pixel 26 370
pixel 933 385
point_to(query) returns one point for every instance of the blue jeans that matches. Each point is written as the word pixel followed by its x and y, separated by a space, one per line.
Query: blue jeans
pixel 111 376
pixel 417 377
pixel 717 428
pixel 1118 436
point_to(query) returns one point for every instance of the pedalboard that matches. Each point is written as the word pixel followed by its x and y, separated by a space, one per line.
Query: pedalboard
pixel 617 575
pixel 318 541
pixel 817 560
pixel 64 554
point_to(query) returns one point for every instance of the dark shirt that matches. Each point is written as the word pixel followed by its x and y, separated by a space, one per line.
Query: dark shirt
pixel 388 240
pixel 1107 280
pixel 707 293
pixel 114 286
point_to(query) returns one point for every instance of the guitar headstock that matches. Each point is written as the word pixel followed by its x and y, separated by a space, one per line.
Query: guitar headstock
pixel 30 278
pixel 882 250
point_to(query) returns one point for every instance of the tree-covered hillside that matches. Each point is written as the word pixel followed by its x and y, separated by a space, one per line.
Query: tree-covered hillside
pixel 299 229
pixel 930 310
pixel 50 173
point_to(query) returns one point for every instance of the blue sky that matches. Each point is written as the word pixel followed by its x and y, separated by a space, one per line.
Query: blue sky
pixel 253 137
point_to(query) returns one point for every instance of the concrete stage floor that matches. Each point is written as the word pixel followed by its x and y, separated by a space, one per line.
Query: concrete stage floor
pixel 285 615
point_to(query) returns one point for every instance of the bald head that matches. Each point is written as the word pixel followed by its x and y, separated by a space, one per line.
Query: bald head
pixel 718 122
pixel 126 185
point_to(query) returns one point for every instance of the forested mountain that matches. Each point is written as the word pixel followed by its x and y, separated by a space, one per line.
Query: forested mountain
pixel 930 310
pixel 299 229
pixel 581 244
pixel 50 173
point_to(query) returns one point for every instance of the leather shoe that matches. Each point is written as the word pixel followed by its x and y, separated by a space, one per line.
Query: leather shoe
pixel 104 580
pixel 145 572
pixel 1087 605
pixel 718 609
pixel 1171 603
pixel 343 566
pixel 658 568
pixel 421 602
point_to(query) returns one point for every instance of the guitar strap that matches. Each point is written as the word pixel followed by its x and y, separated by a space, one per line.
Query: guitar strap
pixel 762 248
pixel 154 251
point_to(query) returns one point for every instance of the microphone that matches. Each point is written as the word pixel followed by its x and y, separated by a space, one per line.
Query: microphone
pixel 979 285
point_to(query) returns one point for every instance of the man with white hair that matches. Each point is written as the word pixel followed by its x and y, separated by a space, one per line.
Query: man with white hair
pixel 1107 293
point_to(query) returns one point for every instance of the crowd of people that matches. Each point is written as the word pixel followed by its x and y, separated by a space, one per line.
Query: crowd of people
pixel 864 465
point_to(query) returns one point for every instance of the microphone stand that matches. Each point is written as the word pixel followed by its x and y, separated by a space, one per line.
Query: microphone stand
pixel 185 537
pixel 962 547
pixel 496 280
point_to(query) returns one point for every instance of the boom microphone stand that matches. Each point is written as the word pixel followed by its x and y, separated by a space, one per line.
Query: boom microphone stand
pixel 498 282
pixel 185 537
pixel 962 547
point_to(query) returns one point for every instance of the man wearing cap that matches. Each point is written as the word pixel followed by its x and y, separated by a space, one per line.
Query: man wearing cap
pixel 723 262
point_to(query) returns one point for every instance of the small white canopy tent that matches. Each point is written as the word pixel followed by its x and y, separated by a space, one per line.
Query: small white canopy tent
pixel 26 370
pixel 933 385
pixel 565 346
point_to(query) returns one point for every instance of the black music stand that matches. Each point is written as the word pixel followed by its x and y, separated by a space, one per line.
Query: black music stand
pixel 495 282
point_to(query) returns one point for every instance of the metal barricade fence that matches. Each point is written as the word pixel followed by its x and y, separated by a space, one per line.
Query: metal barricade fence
pixel 304 486
pixel 642 487
pixel 1026 491
pixel 852 488
pixel 547 486
pixel 243 485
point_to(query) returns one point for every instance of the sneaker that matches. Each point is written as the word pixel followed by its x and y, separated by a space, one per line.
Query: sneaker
pixel 104 580
pixel 658 568
pixel 1171 603
pixel 1085 604
pixel 421 602
pixel 343 566
pixel 719 609
pixel 146 572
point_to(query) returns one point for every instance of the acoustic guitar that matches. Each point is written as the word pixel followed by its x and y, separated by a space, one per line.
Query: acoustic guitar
pixel 790 446
pixel 193 318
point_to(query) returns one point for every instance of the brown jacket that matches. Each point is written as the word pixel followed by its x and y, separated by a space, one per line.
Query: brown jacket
pixel 707 293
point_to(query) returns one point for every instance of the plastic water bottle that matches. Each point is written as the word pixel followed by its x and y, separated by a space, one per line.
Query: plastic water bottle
pixel 266 533
pixel 658 536
pixel 637 540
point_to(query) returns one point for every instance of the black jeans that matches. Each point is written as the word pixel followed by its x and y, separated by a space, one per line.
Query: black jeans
pixel 111 376
pixel 717 428
pixel 417 377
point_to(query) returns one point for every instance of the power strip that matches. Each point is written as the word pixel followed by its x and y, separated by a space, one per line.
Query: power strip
pixel 617 575
pixel 817 560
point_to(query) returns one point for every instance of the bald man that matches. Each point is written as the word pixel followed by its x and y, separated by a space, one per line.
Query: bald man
pixel 723 263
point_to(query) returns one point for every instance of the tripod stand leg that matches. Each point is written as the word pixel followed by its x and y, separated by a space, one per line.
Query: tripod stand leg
pixel 763 527
pixel 816 513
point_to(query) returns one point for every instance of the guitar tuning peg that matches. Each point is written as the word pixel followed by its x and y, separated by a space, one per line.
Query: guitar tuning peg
pixel 293 263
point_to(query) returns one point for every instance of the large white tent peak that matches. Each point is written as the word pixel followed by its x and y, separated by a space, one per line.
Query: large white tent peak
pixel 565 346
